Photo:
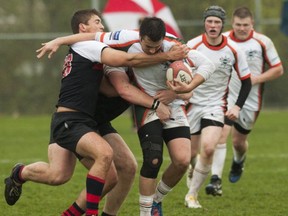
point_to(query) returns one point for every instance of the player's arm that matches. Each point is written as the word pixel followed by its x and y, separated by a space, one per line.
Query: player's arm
pixel 204 69
pixel 271 74
pixel 107 89
pixel 246 85
pixel 52 46
pixel 167 96
pixel 132 94
pixel 182 87
pixel 118 58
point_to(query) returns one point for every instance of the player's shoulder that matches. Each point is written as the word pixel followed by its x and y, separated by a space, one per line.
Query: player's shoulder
pixel 118 36
pixel 227 33
pixel 261 37
pixel 88 45
pixel 194 41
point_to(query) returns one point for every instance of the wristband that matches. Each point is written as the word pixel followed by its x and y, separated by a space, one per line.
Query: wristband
pixel 155 104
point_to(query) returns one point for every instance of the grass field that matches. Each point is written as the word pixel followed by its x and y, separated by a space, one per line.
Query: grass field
pixel 262 190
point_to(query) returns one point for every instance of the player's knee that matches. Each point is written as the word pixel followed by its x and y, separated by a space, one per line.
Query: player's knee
pixel 182 163
pixel 127 165
pixel 58 178
pixel 152 148
pixel 131 168
pixel 209 150
pixel 105 155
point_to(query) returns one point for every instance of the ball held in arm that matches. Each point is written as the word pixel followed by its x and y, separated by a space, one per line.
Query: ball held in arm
pixel 179 71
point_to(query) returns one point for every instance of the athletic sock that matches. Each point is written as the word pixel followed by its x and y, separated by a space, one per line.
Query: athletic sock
pixel 73 210
pixel 219 160
pixel 161 191
pixel 200 174
pixel 239 157
pixel 17 175
pixel 145 203
pixel 94 187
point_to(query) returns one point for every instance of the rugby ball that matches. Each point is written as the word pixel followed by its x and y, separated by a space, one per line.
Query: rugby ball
pixel 179 71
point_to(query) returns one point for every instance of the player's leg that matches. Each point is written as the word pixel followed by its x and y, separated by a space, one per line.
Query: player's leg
pixel 126 166
pixel 242 128
pixel 91 145
pixel 177 137
pixel 179 150
pixel 209 138
pixel 58 170
pixel 240 147
pixel 215 186
pixel 150 136
pixel 79 206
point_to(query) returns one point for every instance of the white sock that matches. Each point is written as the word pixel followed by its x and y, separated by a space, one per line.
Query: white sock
pixel 239 157
pixel 161 191
pixel 200 174
pixel 219 160
pixel 145 203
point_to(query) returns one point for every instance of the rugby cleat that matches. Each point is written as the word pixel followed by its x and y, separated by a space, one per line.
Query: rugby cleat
pixel 13 189
pixel 215 186
pixel 191 201
pixel 156 209
pixel 236 171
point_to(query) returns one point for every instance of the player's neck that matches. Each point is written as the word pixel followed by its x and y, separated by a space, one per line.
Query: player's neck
pixel 215 41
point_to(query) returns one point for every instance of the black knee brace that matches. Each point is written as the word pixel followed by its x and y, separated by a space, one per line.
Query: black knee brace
pixel 152 149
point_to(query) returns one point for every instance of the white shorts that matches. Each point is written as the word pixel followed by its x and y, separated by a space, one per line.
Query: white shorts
pixel 247 118
pixel 196 113
pixel 178 117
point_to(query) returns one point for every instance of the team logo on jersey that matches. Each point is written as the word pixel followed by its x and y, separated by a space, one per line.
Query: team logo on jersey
pixel 252 54
pixel 115 35
pixel 225 62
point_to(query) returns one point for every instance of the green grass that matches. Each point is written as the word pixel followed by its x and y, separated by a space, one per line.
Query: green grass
pixel 262 190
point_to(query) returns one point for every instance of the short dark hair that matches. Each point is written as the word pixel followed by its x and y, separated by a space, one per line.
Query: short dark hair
pixel 82 16
pixel 242 12
pixel 153 27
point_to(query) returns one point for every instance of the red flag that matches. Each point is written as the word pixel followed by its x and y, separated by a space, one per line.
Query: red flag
pixel 125 14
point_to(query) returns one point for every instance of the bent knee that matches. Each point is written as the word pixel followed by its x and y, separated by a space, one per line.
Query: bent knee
pixel 127 166
pixel 58 179
pixel 182 164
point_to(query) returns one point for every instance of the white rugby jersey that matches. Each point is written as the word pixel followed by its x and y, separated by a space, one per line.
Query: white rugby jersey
pixel 225 57
pixel 149 79
pixel 259 50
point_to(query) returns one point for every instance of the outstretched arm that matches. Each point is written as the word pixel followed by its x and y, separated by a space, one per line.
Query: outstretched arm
pixel 132 94
pixel 118 58
pixel 52 46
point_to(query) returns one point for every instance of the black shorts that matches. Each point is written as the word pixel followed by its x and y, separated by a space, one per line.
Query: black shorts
pixel 68 127
pixel 106 128
pixel 109 108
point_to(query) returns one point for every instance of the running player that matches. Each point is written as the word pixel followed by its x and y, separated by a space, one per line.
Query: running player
pixel 208 103
pixel 259 50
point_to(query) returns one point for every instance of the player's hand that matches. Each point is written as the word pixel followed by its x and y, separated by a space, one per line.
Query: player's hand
pixel 50 47
pixel 233 113
pixel 178 52
pixel 185 96
pixel 179 87
pixel 165 96
pixel 163 112
pixel 254 80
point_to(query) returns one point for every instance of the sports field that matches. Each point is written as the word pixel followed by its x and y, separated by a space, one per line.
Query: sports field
pixel 262 190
